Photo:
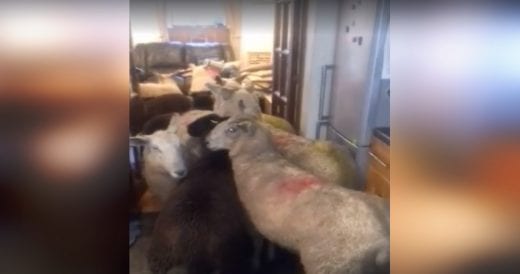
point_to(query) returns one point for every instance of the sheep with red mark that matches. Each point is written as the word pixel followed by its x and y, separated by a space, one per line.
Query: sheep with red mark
pixel 322 158
pixel 334 230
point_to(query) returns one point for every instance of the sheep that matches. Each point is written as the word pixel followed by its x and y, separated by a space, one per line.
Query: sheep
pixel 162 121
pixel 334 230
pixel 272 258
pixel 277 122
pixel 202 100
pixel 225 69
pixel 322 158
pixel 202 224
pixel 200 75
pixel 161 137
pixel 143 109
pixel 161 153
pixel 232 99
pixel 166 85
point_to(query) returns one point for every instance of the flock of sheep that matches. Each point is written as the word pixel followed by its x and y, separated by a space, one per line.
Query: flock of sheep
pixel 232 179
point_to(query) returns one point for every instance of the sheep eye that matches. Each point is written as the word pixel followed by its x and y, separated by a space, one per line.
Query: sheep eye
pixel 232 130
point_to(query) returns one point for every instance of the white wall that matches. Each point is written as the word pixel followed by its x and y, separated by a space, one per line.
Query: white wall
pixel 319 51
pixel 257 28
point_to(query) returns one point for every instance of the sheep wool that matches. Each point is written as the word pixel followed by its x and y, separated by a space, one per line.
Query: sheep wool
pixel 278 123
pixel 335 230
pixel 321 158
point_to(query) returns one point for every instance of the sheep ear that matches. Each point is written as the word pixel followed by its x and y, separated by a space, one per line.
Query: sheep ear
pixel 172 126
pixel 139 140
pixel 227 93
pixel 241 78
pixel 218 80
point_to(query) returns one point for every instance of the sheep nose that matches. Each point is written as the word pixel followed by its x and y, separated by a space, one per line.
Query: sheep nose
pixel 180 173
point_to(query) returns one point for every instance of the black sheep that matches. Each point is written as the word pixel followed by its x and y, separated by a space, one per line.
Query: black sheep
pixel 158 122
pixel 202 225
pixel 281 261
pixel 142 110
pixel 203 100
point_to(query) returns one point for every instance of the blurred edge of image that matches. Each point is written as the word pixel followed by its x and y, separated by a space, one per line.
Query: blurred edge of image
pixel 64 123
pixel 64 126
pixel 455 196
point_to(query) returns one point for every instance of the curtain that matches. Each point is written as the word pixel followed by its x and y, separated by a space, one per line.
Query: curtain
pixel 162 23
pixel 233 12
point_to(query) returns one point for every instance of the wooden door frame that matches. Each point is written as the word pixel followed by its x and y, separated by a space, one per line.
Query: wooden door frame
pixel 289 42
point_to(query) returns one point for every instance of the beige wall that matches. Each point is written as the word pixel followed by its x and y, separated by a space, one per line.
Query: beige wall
pixel 257 28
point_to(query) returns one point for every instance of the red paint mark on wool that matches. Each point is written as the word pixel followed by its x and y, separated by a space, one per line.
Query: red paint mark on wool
pixel 281 141
pixel 298 184
pixel 212 72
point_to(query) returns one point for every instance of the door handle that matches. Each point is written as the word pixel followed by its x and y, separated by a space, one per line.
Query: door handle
pixel 322 118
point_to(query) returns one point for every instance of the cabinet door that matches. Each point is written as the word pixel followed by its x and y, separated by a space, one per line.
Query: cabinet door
pixel 378 180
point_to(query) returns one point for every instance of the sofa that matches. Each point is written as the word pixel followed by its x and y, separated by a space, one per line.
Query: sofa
pixel 172 57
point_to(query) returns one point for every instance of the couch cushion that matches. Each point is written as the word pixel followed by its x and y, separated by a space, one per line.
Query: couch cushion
pixel 196 53
pixel 139 56
pixel 163 54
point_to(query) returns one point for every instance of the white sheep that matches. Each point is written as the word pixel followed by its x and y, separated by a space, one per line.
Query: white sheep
pixel 225 69
pixel 335 230
pixel 168 153
pixel 200 75
pixel 161 152
pixel 322 158
pixel 232 99
pixel 166 85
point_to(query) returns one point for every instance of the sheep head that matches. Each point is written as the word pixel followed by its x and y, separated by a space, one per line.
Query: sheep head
pixel 239 134
pixel 162 152
pixel 231 99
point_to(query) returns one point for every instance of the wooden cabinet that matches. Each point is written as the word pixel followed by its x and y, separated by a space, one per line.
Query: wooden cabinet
pixel 378 173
